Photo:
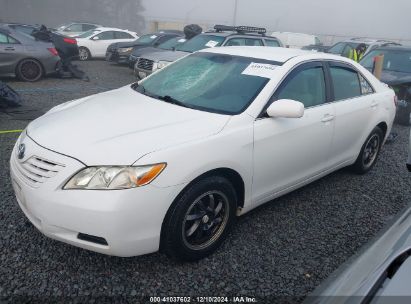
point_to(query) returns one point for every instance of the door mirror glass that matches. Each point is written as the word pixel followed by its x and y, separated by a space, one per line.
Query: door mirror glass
pixel 286 108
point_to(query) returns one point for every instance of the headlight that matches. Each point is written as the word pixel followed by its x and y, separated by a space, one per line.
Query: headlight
pixel 125 50
pixel 162 64
pixel 114 178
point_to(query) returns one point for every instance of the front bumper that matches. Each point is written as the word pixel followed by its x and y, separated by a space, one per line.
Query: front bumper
pixel 128 220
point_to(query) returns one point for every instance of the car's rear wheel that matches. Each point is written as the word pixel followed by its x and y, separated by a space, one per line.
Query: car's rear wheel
pixel 83 53
pixel 29 70
pixel 199 220
pixel 369 152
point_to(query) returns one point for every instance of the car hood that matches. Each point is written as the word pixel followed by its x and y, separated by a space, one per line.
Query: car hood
pixel 120 126
pixel 137 52
pixel 166 56
pixel 395 78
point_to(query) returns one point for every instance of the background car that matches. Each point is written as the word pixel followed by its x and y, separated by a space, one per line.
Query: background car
pixel 23 56
pixel 169 45
pixel 221 36
pixel 296 40
pixel 343 48
pixel 316 48
pixel 379 273
pixel 120 51
pixel 73 29
pixel 397 74
pixel 94 43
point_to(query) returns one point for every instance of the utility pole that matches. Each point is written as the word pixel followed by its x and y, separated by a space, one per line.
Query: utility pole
pixel 235 12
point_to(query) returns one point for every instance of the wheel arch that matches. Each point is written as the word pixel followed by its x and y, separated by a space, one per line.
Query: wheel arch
pixel 384 128
pixel 231 175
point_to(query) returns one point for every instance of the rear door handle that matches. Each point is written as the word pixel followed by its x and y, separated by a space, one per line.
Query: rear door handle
pixel 374 104
pixel 327 118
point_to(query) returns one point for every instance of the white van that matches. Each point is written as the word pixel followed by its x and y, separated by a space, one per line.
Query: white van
pixel 296 40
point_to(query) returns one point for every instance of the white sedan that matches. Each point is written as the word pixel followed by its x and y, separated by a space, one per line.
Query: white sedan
pixel 94 43
pixel 168 163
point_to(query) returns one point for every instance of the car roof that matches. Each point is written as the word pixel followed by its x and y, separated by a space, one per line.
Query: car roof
pixel 111 29
pixel 278 54
pixel 227 34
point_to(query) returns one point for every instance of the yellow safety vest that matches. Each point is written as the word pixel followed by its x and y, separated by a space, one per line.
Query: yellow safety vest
pixel 354 55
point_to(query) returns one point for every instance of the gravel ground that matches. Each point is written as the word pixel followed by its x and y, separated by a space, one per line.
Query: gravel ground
pixel 282 250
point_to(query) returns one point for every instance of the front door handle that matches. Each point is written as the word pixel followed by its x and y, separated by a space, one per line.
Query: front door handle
pixel 327 118
pixel 374 104
pixel 9 48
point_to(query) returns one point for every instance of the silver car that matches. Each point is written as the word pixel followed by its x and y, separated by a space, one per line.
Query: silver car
pixel 73 29
pixel 379 274
pixel 23 56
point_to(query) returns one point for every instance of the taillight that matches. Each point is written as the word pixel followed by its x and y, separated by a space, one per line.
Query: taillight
pixel 70 40
pixel 53 51
pixel 395 100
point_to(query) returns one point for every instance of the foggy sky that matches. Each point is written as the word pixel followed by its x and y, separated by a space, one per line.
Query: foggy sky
pixel 368 18
pixel 349 18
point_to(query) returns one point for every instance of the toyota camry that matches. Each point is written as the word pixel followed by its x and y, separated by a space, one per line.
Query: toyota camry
pixel 169 163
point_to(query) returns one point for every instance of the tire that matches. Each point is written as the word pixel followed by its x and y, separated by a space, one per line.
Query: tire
pixel 199 220
pixel 369 153
pixel 83 53
pixel 29 70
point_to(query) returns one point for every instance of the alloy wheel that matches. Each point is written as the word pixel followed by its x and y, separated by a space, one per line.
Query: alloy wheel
pixel 205 220
pixel 371 150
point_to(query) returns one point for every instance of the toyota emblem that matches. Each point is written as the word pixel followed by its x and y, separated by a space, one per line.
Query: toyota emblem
pixel 22 150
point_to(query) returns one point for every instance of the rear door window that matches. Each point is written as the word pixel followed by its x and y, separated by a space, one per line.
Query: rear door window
pixel 87 27
pixel 306 86
pixel 346 82
pixel 109 35
pixel 123 35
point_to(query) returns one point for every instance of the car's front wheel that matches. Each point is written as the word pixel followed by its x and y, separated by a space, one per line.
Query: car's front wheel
pixel 369 152
pixel 198 222
pixel 29 70
pixel 84 53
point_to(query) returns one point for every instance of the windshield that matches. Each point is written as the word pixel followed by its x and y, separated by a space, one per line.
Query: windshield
pixel 146 39
pixel 209 82
pixel 200 42
pixel 394 60
pixel 170 44
pixel 88 34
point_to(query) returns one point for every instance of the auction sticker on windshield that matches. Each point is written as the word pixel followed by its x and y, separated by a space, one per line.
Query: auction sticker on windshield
pixel 260 70
pixel 212 44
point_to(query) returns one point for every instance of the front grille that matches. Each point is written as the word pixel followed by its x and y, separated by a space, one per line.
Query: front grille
pixel 36 170
pixel 145 64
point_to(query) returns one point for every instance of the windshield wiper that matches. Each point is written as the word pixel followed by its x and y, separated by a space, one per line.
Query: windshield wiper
pixel 174 101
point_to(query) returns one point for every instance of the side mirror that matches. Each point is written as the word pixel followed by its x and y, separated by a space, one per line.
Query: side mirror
pixel 286 108
pixel 95 38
